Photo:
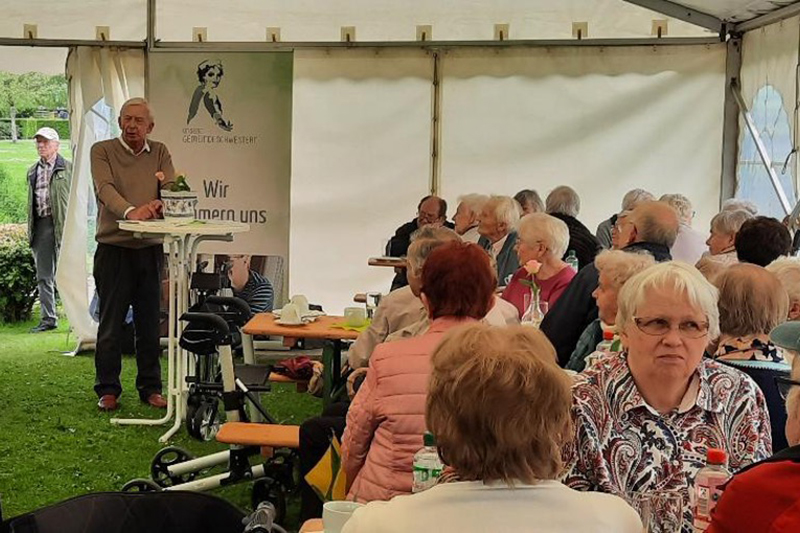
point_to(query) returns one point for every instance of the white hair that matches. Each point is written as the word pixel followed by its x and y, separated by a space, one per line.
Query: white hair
pixel 505 209
pixel 473 202
pixel 539 227
pixel 634 197
pixel 733 204
pixel 729 221
pixel 681 204
pixel 671 275
pixel 787 270
pixel 564 200
pixel 137 100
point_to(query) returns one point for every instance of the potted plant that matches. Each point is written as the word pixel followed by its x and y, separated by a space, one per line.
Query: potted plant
pixel 179 200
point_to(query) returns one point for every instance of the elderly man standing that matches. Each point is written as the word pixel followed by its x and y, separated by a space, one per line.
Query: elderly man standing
pixel 49 181
pixel 128 173
pixel 498 229
pixel 466 217
pixel 565 204
pixel 431 211
pixel 652 228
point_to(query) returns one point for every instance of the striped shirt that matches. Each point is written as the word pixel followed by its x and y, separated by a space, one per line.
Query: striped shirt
pixel 257 292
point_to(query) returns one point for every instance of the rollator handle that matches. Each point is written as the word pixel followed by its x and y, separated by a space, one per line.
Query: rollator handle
pixel 231 301
pixel 214 322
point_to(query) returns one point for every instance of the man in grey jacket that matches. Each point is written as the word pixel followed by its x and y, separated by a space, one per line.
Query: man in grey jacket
pixel 49 182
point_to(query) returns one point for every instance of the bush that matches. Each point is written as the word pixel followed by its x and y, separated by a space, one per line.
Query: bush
pixel 17 274
pixel 28 127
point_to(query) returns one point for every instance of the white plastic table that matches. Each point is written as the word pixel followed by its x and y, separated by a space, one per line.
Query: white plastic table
pixel 180 240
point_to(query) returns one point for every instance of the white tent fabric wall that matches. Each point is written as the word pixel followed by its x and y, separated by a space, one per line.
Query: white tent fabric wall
pixel 57 19
pixel 95 75
pixel 360 163
pixel 603 120
pixel 770 57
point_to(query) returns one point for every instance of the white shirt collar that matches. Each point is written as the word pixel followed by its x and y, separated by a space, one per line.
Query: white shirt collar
pixel 498 246
pixel 146 147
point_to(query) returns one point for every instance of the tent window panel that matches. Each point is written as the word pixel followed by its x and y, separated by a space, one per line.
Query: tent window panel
pixel 772 121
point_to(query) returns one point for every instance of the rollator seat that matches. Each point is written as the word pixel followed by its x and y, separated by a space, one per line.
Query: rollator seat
pixel 265 435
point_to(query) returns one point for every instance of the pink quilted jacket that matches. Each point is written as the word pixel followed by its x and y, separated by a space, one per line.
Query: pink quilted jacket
pixel 386 420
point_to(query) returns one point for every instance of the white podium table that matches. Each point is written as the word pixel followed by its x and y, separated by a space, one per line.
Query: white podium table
pixel 181 240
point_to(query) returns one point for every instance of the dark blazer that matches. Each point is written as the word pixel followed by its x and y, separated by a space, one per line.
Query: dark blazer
pixel 507 260
pixel 581 240
pixel 398 247
pixel 576 308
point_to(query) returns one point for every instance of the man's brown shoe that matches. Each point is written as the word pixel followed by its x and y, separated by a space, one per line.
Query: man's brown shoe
pixel 157 401
pixel 108 402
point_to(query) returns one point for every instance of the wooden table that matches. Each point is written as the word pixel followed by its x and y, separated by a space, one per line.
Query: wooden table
pixel 395 262
pixel 333 384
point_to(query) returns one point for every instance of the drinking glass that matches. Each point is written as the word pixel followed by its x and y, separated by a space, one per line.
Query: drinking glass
pixel 661 511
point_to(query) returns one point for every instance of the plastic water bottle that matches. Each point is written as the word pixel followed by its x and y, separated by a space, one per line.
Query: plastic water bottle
pixel 427 465
pixel 707 487
pixel 572 260
pixel 603 348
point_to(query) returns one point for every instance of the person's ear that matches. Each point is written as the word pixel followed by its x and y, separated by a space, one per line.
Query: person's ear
pixel 150 127
pixel 794 310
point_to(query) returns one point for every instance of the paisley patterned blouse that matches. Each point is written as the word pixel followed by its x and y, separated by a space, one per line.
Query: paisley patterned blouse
pixel 623 445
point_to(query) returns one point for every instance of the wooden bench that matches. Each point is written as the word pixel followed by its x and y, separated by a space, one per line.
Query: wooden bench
pixel 300 384
pixel 266 436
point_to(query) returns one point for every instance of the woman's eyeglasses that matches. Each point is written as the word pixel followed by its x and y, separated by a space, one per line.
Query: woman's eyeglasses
pixel 785 385
pixel 689 329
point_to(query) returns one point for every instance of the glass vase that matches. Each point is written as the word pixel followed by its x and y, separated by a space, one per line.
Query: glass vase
pixel 535 309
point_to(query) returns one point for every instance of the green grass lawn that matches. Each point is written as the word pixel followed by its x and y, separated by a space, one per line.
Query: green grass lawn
pixel 55 444
pixel 15 159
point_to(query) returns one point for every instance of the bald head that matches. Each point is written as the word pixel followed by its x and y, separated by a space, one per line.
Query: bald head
pixel 654 222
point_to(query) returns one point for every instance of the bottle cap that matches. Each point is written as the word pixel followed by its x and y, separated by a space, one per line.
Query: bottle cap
pixel 716 456
pixel 429 440
pixel 608 335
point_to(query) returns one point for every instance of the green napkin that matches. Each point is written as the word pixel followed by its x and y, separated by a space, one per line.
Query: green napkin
pixel 343 325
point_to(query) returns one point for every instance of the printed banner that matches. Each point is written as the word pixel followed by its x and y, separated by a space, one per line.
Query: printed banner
pixel 226 119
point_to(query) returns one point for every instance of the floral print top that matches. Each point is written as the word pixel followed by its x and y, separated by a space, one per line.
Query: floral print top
pixel 623 445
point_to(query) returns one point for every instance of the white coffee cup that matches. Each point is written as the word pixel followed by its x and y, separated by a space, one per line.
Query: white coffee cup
pixel 290 314
pixel 336 514
pixel 355 316
pixel 302 304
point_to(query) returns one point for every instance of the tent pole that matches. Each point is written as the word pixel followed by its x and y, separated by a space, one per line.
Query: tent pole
pixel 768 18
pixel 436 124
pixel 762 150
pixel 686 14
pixel 730 127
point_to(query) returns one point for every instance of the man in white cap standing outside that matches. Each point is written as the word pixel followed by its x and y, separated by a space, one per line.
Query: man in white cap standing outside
pixel 49 181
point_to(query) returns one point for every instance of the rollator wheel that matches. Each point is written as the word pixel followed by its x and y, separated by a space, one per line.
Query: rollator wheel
pixel 141 485
pixel 270 490
pixel 206 420
pixel 165 458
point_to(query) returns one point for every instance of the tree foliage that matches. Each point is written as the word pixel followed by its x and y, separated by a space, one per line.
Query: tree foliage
pixel 31 90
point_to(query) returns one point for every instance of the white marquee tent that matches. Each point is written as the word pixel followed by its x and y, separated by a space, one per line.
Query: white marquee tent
pixel 393 100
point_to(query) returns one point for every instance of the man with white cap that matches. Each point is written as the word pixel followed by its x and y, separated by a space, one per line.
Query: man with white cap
pixel 48 195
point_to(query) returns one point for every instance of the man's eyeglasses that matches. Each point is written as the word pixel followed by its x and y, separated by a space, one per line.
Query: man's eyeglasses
pixel 427 217
pixel 785 385
pixel 689 329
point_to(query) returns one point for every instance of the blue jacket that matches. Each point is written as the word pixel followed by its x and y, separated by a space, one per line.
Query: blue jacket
pixel 507 260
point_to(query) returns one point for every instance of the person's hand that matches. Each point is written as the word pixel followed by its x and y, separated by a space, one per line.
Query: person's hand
pixel 157 208
pixel 351 381
pixel 143 212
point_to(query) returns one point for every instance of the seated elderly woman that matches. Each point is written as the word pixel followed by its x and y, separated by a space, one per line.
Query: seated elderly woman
pixel 504 450
pixel 615 268
pixel 788 271
pixel 724 227
pixel 752 302
pixel 543 239
pixel 386 420
pixel 644 419
pixel 764 496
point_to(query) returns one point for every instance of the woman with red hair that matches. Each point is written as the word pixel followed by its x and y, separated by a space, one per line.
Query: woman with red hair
pixel 386 420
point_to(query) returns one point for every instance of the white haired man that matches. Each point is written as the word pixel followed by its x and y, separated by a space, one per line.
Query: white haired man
pixel 565 204
pixel 49 182
pixel 631 199
pixel 690 245
pixel 498 222
pixel 128 173
pixel 466 217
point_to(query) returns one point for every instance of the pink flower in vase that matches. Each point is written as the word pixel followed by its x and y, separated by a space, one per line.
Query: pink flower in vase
pixel 532 267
